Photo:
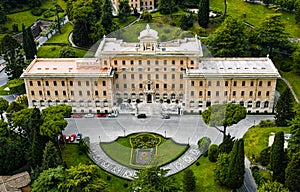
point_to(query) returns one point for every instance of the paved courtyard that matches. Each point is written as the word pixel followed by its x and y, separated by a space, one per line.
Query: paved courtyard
pixel 185 129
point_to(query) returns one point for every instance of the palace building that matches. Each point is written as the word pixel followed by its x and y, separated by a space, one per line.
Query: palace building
pixel 138 4
pixel 149 71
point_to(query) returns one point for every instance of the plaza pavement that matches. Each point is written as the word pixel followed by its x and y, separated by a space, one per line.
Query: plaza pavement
pixel 185 129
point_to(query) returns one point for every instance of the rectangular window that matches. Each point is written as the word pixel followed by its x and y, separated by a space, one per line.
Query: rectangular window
pixel 192 62
pixel 79 83
pixel 48 93
pixel 30 83
pixel 225 93
pixel 123 62
pixel 40 93
pixel 181 86
pixel 250 93
pixel 105 62
pixel 243 83
pixel 95 83
pixel 201 83
pixel 87 83
pixel 104 83
pixel 156 62
pixel 181 62
pixel 62 83
pixel 218 83
pixel 47 83
pixel 71 83
pixel 96 93
pixel 156 76
pixel 165 62
pixel 117 86
pixel 233 93
pixel 88 93
pixel 234 83
pixel 259 93
pixel 148 62
pixel 149 76
pixel 173 76
pixel 32 92
pixel 38 83
pixel 181 76
pixel 72 93
pixel 132 86
pixel 80 93
pixel 192 83
pixel 226 83
pixel 252 83
pixel 165 86
pixel 104 93
pixel 260 83
pixel 64 93
pixel 209 83
pixel 54 83
pixel 140 62
pixel 208 93
pixel 173 86
pixel 157 86
pixel 132 76
pixel 115 62
pixel 125 86
pixel 124 76
pixel 140 76
pixel 56 93
pixel 269 83
pixel 131 62
pixel 268 93
pixel 200 93
pixel 192 93
pixel 242 93
pixel 173 62
pixel 217 93
pixel 165 76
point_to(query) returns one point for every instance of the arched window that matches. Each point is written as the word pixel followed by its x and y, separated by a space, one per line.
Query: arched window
pixel 157 96
pixel 165 95
pixel 249 104
pixel 192 103
pixel 266 104
pixel 180 95
pixel 173 96
pixel 257 104
pixel 242 103
pixel 133 95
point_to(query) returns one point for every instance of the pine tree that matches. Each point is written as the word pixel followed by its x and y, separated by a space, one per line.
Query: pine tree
pixel 236 169
pixel 227 144
pixel 28 43
pixel 277 158
pixel 292 171
pixel 189 181
pixel 203 13
pixel 50 156
pixel 221 170
pixel 284 108
pixel 107 17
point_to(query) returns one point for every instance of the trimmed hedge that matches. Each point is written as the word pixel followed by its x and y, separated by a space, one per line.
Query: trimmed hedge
pixel 16 86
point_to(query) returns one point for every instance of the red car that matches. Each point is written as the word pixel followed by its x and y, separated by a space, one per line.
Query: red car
pixel 72 138
pixel 101 115
pixel 62 138
pixel 77 116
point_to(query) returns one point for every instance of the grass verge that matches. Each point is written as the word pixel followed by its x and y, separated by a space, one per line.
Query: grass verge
pixel 257 138
pixel 63 37
pixel 53 51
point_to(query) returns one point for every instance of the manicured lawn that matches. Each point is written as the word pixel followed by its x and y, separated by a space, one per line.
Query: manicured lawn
pixel 204 176
pixel 130 19
pixel 256 139
pixel 294 80
pixel 72 157
pixel 62 38
pixel 53 52
pixel 120 151
pixel 255 14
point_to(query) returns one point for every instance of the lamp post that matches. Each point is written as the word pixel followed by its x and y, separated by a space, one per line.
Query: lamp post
pixel 165 134
pixel 124 132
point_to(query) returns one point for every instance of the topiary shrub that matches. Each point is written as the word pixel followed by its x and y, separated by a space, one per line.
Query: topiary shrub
pixel 213 152
pixel 264 156
pixel 37 11
pixel 203 144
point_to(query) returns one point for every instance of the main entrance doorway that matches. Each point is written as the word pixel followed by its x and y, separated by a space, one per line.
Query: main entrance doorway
pixel 149 98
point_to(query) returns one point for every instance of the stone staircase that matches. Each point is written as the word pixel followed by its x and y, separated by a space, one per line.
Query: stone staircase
pixel 150 108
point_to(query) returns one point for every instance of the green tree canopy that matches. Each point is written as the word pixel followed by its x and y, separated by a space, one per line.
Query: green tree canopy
pixel 28 43
pixel 67 52
pixel 292 175
pixel 3 106
pixel 272 187
pixel 124 10
pixel 296 59
pixel 230 39
pixel 189 181
pixel 223 115
pixel 51 158
pixel 167 6
pixel 154 179
pixel 284 108
pixel 203 13
pixel 277 158
pixel 213 152
pixel 221 169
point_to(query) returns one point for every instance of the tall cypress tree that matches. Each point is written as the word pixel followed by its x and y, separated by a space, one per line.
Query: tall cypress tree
pixel 28 43
pixel 106 16
pixel 203 13
pixel 293 173
pixel 284 108
pixel 236 169
pixel 277 158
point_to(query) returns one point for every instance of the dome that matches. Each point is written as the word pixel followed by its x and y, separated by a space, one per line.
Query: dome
pixel 148 33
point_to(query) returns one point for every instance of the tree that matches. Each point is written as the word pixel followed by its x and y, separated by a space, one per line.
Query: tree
pixel 81 33
pixel 167 7
pixel 213 153
pixel 49 180
pixel 264 156
pixel 22 100
pixel 203 144
pixel 227 144
pixel 51 158
pixel 297 11
pixel 271 34
pixel 223 115
pixel 189 181
pixel 124 10
pixel 203 13
pixel 230 39
pixel 236 169
pixel 3 106
pixel 35 3
pixel 296 59
pixel 292 173
pixel 277 158
pixel 294 141
pixel 28 43
pixel 83 178
pixel 221 169
pixel 284 108
pixel 154 179
pixel 107 17
pixel 146 15
pixel 272 187
pixel 67 52
pixel 3 17
pixel 187 21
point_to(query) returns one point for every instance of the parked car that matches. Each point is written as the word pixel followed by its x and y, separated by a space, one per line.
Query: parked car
pixel 165 116
pixel 112 115
pixel 72 137
pixel 68 139
pixel 78 137
pixel 62 138
pixel 101 115
pixel 89 115
pixel 142 116
pixel 77 116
